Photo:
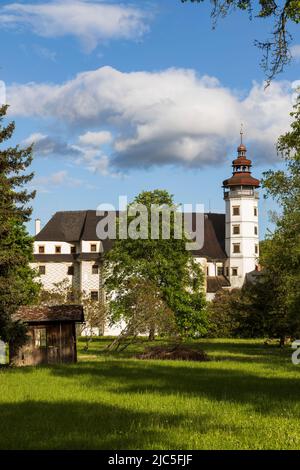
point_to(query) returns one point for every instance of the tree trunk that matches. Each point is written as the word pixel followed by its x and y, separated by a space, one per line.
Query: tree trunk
pixel 151 336
pixel 282 342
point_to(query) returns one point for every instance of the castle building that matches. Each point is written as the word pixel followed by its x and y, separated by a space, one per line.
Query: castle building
pixel 68 247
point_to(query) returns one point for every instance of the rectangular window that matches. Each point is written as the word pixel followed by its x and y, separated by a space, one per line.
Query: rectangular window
pixel 58 249
pixel 73 249
pixel 41 249
pixel 236 210
pixel 227 272
pixel 234 271
pixel 236 230
pixel 220 270
pixel 42 270
pixel 70 270
pixel 236 248
pixel 255 211
pixel 94 295
pixel 95 269
pixel 255 230
pixel 256 249
pixel 93 247
pixel 40 337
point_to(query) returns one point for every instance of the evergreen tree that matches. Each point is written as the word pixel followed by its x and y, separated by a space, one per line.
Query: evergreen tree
pixel 17 279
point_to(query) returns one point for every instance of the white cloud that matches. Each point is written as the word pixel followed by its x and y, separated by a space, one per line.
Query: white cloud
pixel 167 117
pixel 45 145
pixel 95 139
pixel 61 178
pixel 90 21
pixel 295 51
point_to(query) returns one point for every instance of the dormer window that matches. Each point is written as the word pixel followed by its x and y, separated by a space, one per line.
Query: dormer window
pixel 93 247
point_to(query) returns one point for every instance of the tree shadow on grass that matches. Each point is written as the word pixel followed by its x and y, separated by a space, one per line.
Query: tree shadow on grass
pixel 218 350
pixel 266 395
pixel 82 425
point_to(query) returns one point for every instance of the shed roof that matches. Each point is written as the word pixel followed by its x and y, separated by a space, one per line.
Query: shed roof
pixel 54 313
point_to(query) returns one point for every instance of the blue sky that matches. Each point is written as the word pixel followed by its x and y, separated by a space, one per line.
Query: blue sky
pixel 122 97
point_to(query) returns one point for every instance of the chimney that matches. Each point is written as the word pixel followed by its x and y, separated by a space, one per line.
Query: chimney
pixel 37 226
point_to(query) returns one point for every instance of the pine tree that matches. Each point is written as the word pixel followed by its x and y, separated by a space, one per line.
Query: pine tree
pixel 17 279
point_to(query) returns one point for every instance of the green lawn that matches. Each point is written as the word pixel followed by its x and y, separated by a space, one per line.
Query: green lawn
pixel 246 397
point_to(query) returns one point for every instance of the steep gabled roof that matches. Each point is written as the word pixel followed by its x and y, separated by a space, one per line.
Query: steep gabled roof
pixel 73 226
pixel 63 227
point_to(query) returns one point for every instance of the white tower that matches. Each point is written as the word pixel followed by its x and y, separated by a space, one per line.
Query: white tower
pixel 241 199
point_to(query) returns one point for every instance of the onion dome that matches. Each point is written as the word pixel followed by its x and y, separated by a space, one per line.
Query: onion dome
pixel 241 175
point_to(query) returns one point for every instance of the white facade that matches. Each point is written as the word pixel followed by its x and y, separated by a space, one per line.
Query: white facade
pixel 80 262
pixel 241 234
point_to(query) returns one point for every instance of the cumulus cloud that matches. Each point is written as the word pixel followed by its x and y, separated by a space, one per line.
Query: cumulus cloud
pixel 295 51
pixel 95 139
pixel 45 145
pixel 90 21
pixel 60 178
pixel 156 118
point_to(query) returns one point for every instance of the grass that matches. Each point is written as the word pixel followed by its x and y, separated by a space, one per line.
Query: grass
pixel 246 397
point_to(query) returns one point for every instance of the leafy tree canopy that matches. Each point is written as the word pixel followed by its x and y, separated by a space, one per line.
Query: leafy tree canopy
pixel 165 263
pixel 276 53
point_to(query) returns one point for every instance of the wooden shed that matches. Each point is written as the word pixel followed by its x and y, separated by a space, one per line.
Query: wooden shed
pixel 51 335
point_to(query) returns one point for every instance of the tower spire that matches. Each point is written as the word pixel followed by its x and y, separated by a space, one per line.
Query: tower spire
pixel 241 133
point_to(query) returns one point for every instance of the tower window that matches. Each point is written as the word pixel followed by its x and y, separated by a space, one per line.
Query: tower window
pixel 236 230
pixel 256 249
pixel 93 247
pixel 41 249
pixel 236 210
pixel 255 230
pixel 234 271
pixel 95 269
pixel 255 211
pixel 58 249
pixel 42 270
pixel 70 270
pixel 236 248
pixel 94 295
